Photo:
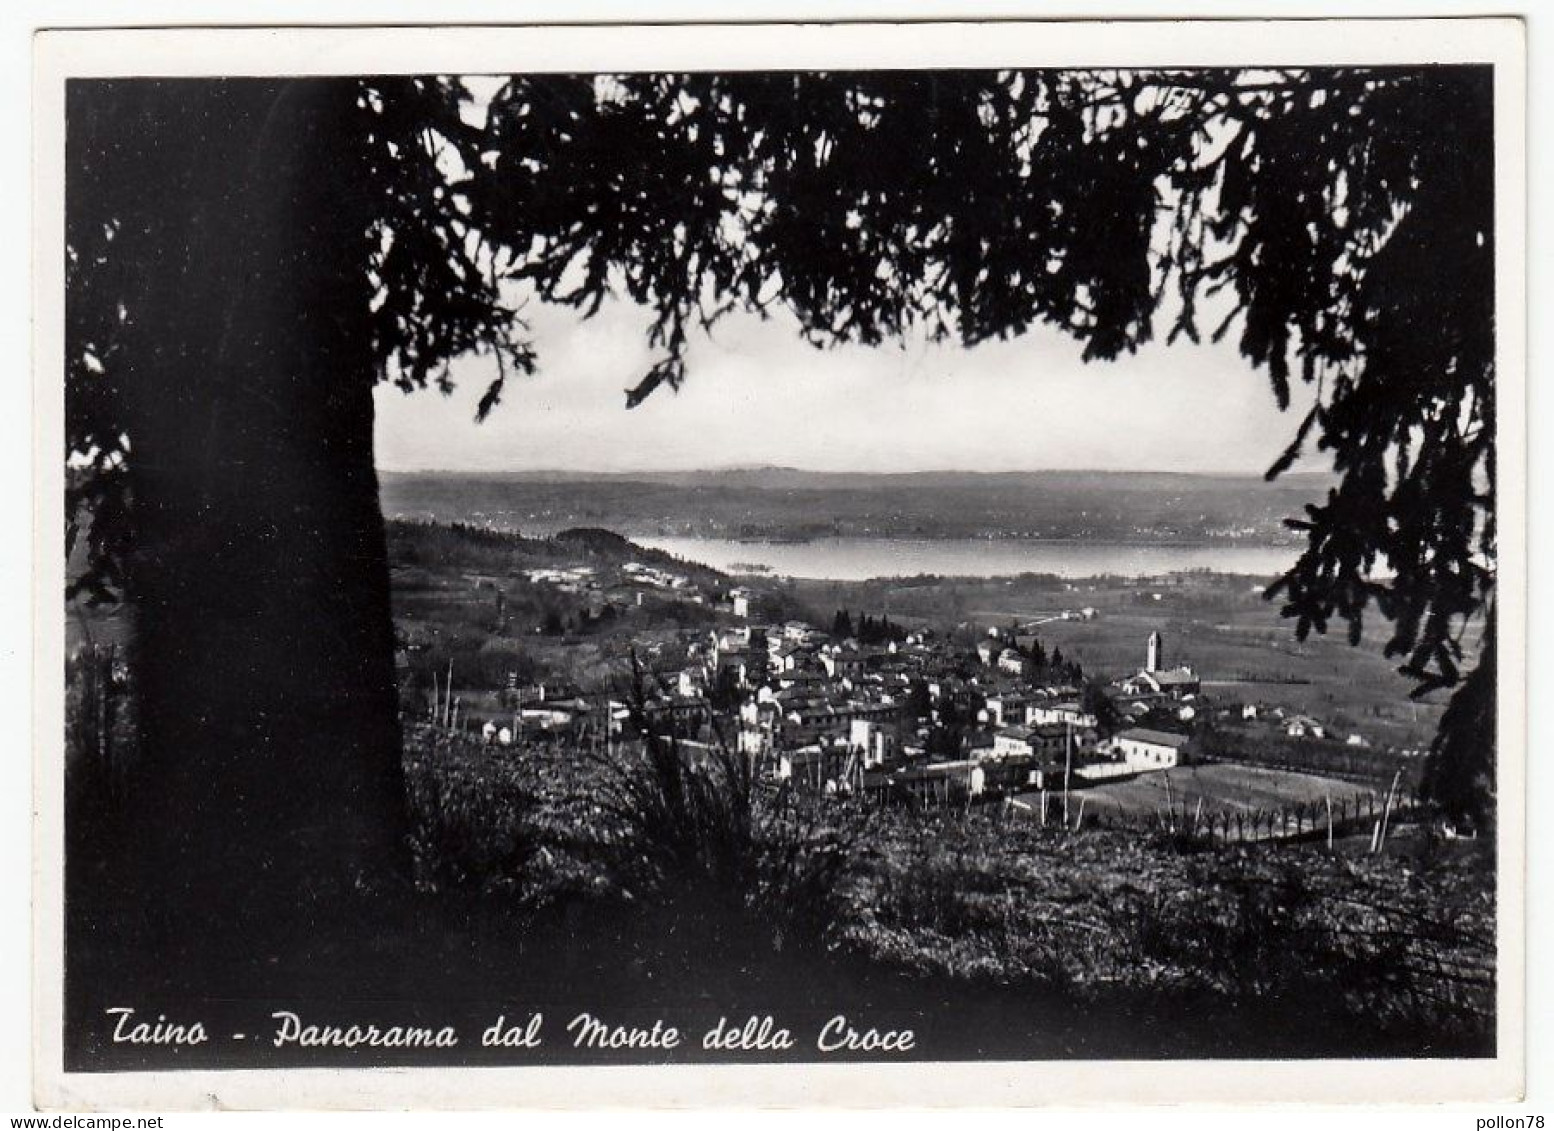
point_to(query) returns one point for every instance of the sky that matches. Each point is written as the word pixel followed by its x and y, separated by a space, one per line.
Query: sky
pixel 756 395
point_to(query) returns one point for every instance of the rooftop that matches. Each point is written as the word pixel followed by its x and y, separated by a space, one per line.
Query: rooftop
pixel 1155 737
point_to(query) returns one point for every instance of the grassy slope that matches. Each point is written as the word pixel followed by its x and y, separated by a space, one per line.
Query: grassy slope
pixel 986 906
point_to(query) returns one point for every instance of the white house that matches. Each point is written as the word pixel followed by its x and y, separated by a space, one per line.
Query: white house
pixel 874 739
pixel 1304 726
pixel 548 717
pixel 1006 710
pixel 691 683
pixel 1030 742
pixel 1061 713
pixel 1145 749
pixel 791 657
pixel 838 663
pixel 964 777
pixel 1175 682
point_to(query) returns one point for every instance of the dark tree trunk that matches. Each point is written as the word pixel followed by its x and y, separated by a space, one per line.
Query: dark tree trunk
pixel 269 776
pixel 1459 775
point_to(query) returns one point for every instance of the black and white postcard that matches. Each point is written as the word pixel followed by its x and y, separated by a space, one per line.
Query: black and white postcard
pixel 769 557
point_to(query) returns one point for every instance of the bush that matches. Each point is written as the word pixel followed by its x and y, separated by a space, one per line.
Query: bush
pixel 470 813
pixel 694 826
pixel 699 830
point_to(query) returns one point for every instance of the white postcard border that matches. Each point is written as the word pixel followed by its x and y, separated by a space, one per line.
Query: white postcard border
pixel 231 51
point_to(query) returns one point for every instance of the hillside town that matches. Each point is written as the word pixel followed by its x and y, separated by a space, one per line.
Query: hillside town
pixel 866 707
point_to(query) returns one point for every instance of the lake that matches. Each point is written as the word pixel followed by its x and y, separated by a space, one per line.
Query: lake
pixel 858 559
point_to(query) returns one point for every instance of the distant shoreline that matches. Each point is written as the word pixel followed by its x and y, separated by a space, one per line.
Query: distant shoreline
pixel 536 530
pixel 863 558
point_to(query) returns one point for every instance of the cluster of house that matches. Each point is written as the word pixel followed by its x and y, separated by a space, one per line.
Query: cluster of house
pixel 568 579
pixel 657 578
pixel 846 717
pixel 1296 724
pixel 600 588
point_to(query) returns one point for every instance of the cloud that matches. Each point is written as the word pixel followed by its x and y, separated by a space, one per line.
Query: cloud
pixel 757 395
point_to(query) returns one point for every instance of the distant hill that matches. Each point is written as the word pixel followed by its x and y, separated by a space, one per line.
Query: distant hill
pixel 468 546
pixel 784 503
pixel 604 543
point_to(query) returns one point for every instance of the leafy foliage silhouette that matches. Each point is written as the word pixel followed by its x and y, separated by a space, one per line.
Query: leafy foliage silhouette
pixel 1339 222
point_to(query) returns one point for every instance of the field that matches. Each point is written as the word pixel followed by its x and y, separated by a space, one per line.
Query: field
pixel 1220 788
pixel 1245 652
